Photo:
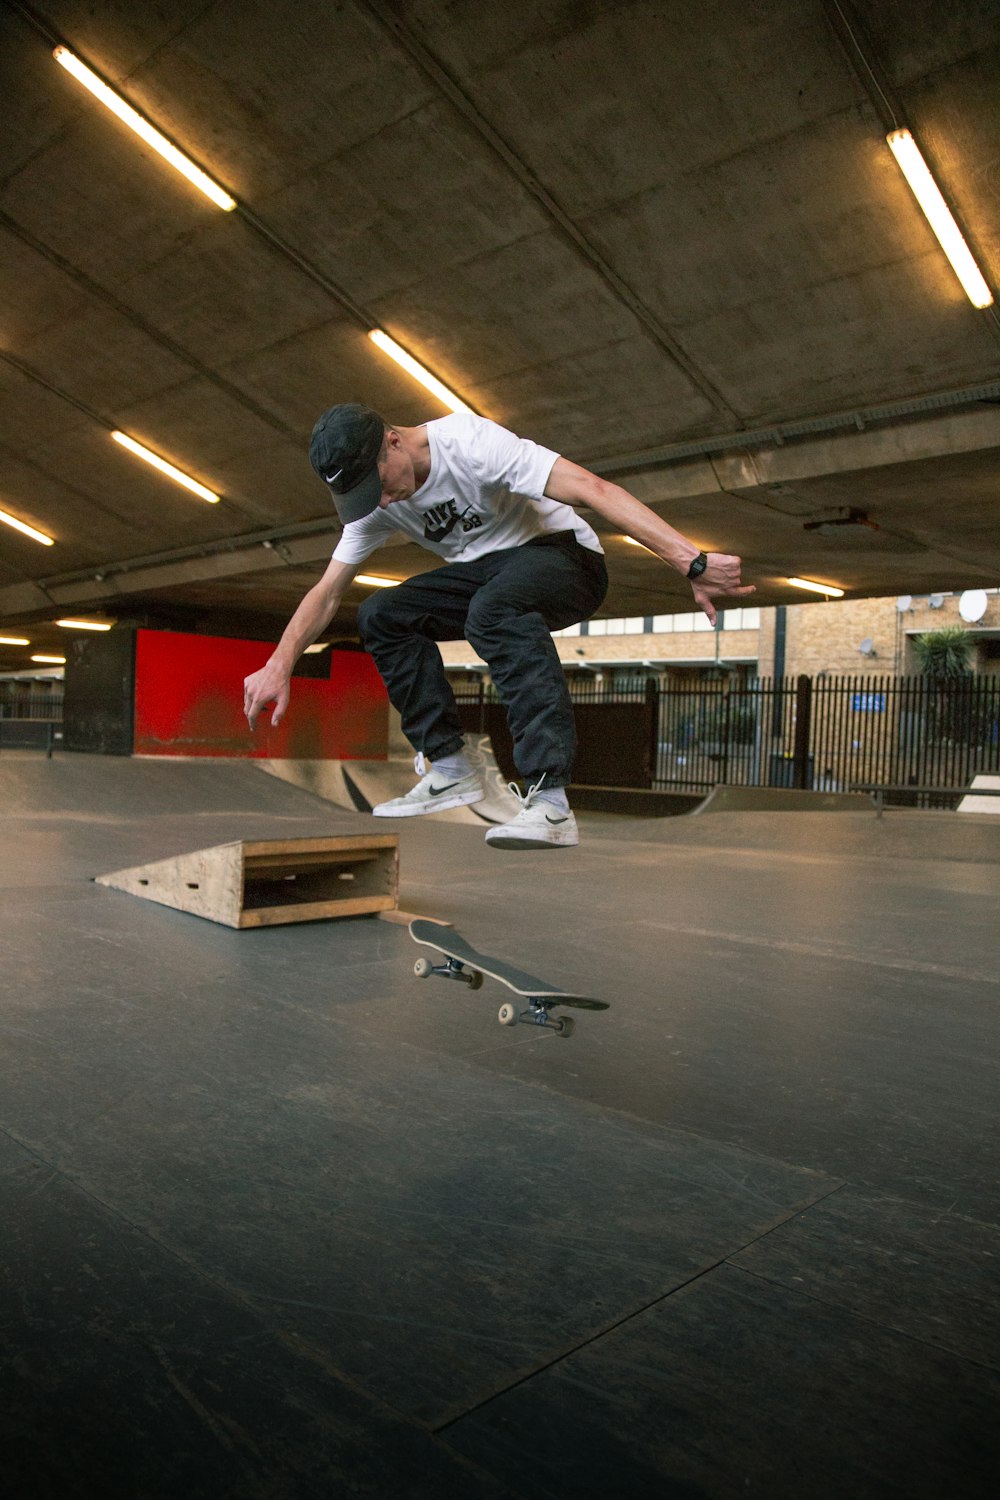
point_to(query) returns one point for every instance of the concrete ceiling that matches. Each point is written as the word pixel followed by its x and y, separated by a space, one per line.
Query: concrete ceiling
pixel 667 240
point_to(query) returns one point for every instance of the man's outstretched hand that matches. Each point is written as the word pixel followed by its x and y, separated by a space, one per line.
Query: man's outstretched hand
pixel 269 685
pixel 720 580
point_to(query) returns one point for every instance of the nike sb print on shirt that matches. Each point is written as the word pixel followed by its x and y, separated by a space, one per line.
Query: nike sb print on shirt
pixel 441 520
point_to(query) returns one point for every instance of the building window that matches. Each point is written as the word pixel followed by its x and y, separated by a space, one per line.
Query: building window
pixel 741 619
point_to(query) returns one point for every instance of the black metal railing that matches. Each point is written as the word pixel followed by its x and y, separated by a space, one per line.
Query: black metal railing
pixel 29 720
pixel 19 703
pixel 831 733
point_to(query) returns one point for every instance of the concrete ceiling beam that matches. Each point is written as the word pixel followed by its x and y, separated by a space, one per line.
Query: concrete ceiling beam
pixel 34 601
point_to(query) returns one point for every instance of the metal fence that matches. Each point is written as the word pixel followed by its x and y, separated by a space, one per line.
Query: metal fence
pixel 29 719
pixel 831 733
pixel 823 733
pixel 17 702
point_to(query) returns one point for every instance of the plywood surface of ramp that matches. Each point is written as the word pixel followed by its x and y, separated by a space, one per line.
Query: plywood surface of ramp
pixel 264 882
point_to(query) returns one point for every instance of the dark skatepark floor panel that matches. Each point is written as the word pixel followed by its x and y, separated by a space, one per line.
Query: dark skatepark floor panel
pixel 278 1208
pixel 660 1407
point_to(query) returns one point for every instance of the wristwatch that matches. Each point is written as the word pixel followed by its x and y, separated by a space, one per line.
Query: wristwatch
pixel 698 565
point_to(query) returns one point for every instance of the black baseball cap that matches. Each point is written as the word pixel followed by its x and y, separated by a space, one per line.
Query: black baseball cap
pixel 344 450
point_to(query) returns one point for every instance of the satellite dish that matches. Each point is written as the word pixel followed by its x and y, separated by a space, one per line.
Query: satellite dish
pixel 904 602
pixel 935 600
pixel 972 605
pixel 867 646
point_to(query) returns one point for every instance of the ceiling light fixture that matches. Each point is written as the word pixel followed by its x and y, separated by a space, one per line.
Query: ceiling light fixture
pixel 415 368
pixel 939 216
pixel 377 582
pixel 37 536
pixel 14 640
pixel 816 588
pixel 82 625
pixel 135 121
pixel 55 661
pixel 160 463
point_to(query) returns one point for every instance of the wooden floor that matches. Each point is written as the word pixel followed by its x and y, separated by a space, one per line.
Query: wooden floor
pixel 280 1220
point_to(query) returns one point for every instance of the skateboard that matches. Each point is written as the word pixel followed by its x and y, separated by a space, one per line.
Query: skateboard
pixel 462 962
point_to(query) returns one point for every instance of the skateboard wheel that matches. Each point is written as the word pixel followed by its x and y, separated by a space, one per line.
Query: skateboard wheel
pixel 475 980
pixel 423 967
pixel 507 1014
pixel 566 1025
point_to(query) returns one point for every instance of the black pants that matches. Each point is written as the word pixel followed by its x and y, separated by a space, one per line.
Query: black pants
pixel 504 604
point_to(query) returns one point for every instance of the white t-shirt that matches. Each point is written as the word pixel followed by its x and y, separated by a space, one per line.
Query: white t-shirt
pixel 485 491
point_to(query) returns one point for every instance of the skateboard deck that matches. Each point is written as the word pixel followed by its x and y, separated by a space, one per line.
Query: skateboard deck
pixel 464 963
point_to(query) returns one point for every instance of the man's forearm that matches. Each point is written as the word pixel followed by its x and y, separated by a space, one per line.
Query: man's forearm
pixel 576 486
pixel 637 520
pixel 719 576
pixel 311 618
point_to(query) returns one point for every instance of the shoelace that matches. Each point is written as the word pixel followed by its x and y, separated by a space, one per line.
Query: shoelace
pixel 526 798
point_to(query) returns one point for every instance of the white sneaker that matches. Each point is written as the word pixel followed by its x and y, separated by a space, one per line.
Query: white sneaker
pixel 433 793
pixel 538 825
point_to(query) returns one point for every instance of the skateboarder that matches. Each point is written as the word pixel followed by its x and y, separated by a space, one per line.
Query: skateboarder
pixel 519 562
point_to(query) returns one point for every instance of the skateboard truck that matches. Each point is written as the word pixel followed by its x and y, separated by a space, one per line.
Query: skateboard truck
pixel 452 968
pixel 536 1013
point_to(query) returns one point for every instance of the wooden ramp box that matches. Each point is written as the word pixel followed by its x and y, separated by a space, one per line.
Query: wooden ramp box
pixel 263 882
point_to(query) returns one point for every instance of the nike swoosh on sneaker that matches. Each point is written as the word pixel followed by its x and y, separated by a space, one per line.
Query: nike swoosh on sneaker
pixel 435 791
pixel 555 820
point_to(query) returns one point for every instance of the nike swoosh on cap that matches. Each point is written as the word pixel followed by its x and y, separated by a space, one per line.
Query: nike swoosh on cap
pixel 331 478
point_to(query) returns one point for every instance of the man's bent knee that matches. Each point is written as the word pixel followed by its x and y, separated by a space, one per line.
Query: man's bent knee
pixel 487 616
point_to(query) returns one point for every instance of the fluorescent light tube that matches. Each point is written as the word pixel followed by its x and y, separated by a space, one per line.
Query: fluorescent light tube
pixel 816 588
pixel 927 193
pixel 37 536
pixel 14 640
pixel 82 625
pixel 135 121
pixel 55 661
pixel 413 367
pixel 376 582
pixel 176 475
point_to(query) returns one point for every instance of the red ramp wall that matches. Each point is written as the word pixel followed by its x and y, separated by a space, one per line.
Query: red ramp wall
pixel 189 701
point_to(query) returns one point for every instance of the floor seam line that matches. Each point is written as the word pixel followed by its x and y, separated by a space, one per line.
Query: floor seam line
pixel 629 1317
